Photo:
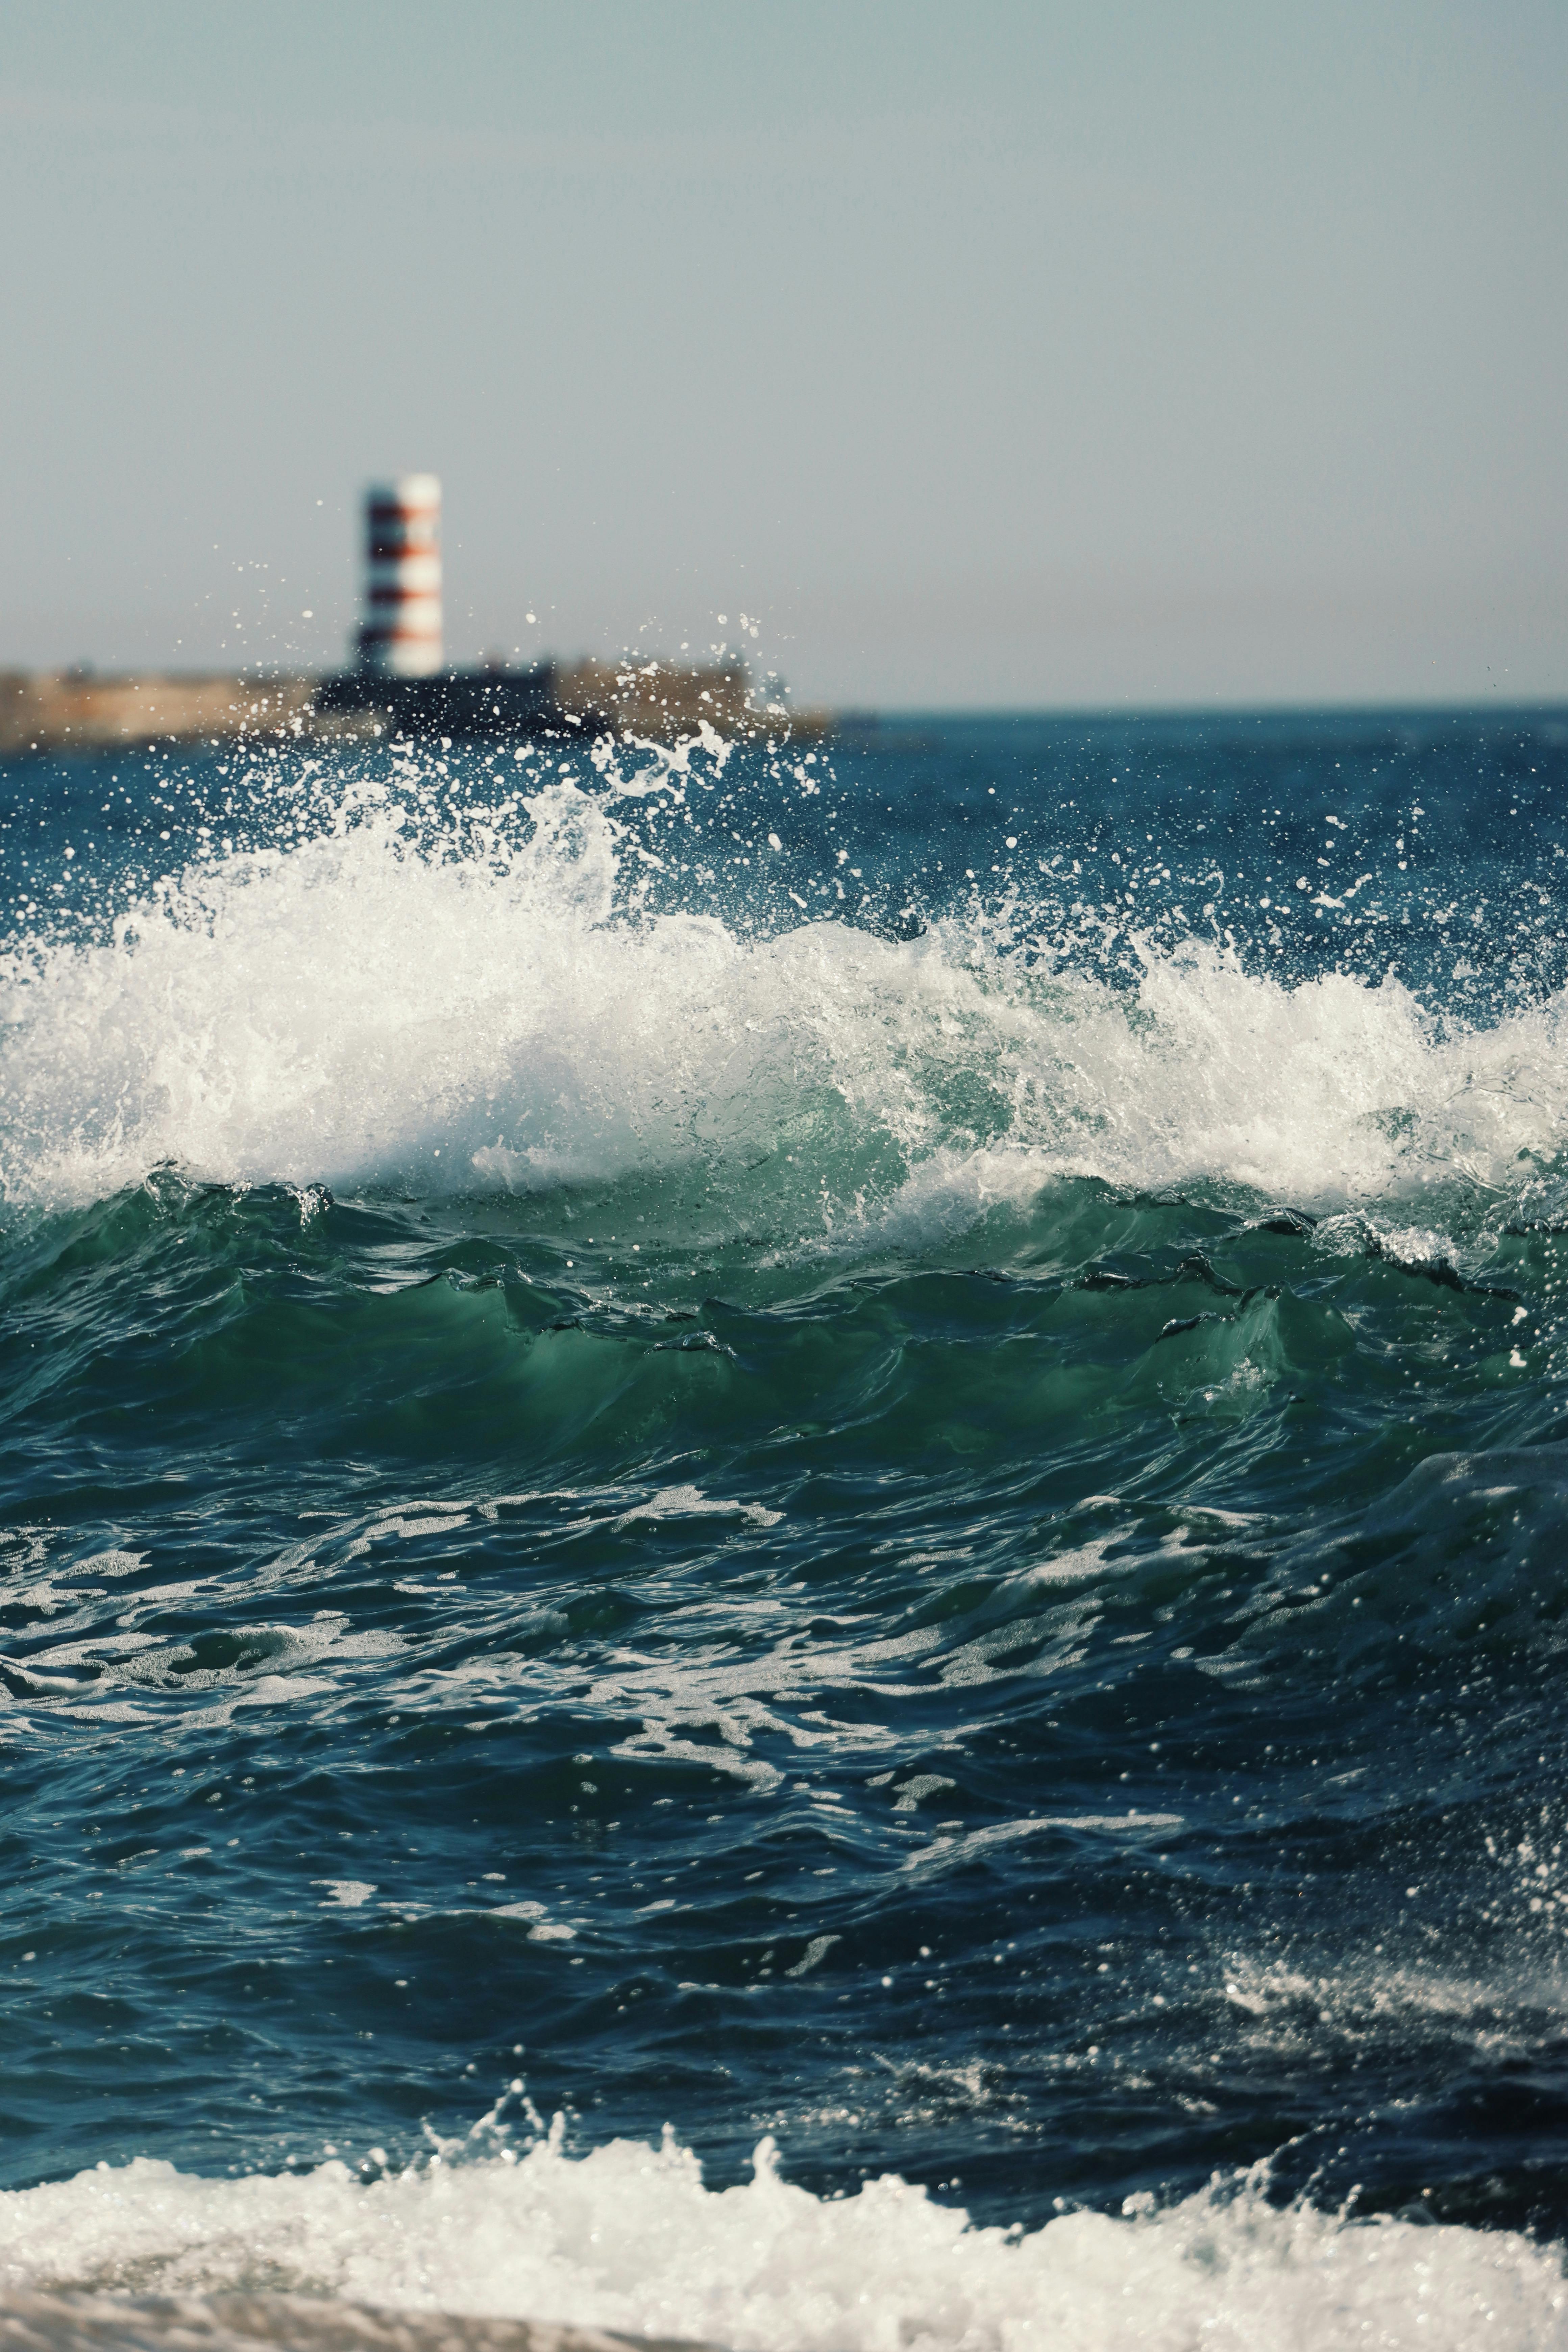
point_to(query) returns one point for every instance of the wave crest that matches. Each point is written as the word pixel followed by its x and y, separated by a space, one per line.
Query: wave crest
pixel 483 1009
pixel 628 2238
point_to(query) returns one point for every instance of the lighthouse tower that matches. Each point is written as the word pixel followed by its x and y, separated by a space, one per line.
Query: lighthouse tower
pixel 400 631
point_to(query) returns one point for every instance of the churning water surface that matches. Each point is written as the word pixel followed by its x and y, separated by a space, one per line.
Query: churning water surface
pixel 856 1448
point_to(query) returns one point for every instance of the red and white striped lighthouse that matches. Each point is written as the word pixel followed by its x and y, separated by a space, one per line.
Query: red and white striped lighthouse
pixel 400 632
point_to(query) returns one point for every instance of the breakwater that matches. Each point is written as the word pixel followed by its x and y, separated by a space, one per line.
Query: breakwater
pixel 66 710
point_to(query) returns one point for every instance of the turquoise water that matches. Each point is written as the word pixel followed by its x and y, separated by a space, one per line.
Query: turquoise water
pixel 863 1450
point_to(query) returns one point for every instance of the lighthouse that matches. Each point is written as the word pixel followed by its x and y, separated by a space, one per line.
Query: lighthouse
pixel 400 628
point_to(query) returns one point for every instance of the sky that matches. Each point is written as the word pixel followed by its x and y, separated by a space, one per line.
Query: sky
pixel 1035 356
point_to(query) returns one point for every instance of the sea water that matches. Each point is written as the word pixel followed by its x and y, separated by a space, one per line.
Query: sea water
pixel 783 1533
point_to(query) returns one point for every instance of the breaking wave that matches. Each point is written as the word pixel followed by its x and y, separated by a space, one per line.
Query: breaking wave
pixel 628 2238
pixel 486 1010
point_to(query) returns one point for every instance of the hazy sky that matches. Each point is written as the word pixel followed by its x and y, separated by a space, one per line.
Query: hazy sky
pixel 987 355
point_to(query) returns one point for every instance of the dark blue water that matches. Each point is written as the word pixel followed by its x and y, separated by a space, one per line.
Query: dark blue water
pixel 868 1449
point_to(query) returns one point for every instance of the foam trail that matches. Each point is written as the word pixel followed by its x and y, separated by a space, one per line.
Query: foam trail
pixel 627 2238
pixel 485 1012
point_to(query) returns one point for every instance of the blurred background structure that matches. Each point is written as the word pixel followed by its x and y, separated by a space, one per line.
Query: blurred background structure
pixel 400 629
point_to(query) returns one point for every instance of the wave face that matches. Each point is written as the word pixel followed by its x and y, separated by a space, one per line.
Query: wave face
pixel 859 1448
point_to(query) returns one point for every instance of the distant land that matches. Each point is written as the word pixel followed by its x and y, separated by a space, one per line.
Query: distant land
pixel 86 710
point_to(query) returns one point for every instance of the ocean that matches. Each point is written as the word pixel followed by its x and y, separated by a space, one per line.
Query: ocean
pixel 783 1532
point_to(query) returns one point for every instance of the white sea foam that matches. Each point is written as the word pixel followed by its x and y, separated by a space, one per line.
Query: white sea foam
pixel 627 2237
pixel 374 1005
